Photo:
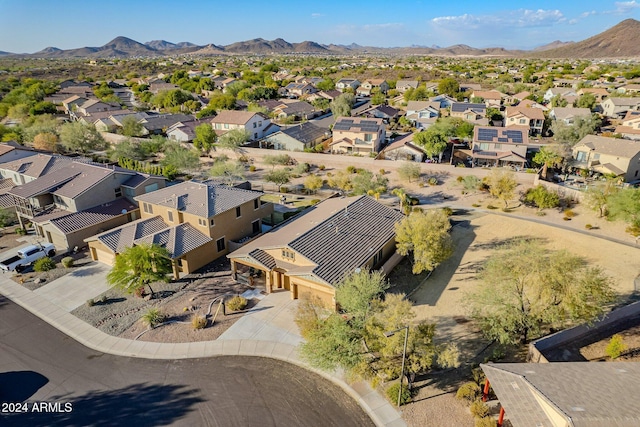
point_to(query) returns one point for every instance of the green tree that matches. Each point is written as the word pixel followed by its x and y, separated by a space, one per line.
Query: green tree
pixel 546 157
pixel 434 141
pixel 625 205
pixel 541 197
pixel 234 140
pixel 274 160
pixel 221 101
pixel 378 99
pixel 586 100
pixel 139 266
pixel 342 105
pixel 449 86
pixel 403 198
pixel 426 236
pixel 326 84
pixel 409 171
pixel 365 180
pixel 205 137
pixel 46 141
pixel 180 158
pixel 528 289
pixel 79 138
pixel 596 197
pixel 502 184
pixel 313 183
pixel 355 292
pixel 571 134
pixel 131 126
pixel 127 149
pixel 278 177
pixel 228 171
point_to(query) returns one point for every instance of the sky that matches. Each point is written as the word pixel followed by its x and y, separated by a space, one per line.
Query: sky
pixel 27 26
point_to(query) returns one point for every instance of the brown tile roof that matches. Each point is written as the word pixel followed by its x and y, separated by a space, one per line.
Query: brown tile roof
pixel 178 240
pixel 200 199
pixel 235 117
pixel 585 394
pixel 38 165
pixel 337 235
pixel 90 217
pixel 7 201
pixel 532 113
pixel 613 146
pixel 120 238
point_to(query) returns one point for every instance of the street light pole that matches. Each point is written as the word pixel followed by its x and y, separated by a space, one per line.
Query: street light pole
pixel 404 354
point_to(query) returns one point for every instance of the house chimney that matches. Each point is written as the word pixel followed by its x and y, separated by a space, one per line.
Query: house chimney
pixel 336 229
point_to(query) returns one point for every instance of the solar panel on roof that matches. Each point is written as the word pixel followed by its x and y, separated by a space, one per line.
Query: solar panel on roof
pixel 487 134
pixel 503 139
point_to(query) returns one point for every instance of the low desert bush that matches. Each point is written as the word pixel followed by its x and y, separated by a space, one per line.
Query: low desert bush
pixel 198 322
pixel 90 302
pixel 236 303
pixel 44 264
pixel 469 392
pixel 153 317
pixel 479 409
pixel 569 213
pixel 485 422
pixel 616 347
pixel 392 394
pixel 67 262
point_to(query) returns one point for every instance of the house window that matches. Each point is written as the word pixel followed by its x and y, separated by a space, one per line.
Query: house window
pixel 497 146
pixel 226 125
pixel 255 125
pixel 118 192
pixel 170 216
pixel 368 137
pixel 256 203
pixel 218 126
pixel 287 254
pixel 581 156
pixel 377 257
pixel 212 222
pixel 255 226
pixel 523 121
pixel 220 244
pixel 238 212
pixel 484 146
pixel 255 136
pixel 596 156
pixel 147 208
pixel 260 124
pixel 202 222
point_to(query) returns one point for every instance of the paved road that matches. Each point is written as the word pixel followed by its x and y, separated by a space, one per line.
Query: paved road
pixel 40 364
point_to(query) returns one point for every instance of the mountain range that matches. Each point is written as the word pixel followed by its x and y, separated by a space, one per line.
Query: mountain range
pixel 618 41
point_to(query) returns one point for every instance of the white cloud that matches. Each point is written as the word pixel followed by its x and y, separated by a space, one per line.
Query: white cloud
pixel 589 13
pixel 520 18
pixel 623 7
pixel 317 15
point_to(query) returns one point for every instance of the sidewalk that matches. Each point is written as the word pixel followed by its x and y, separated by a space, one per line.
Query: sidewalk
pixel 236 343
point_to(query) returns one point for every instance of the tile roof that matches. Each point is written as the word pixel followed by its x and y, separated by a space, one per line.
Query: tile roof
pixel 461 107
pixel 78 220
pixel 235 117
pixel 164 121
pixel 629 102
pixel 585 394
pixel 404 141
pixel 358 124
pixel 199 198
pixel 7 201
pixel 612 146
pixel 120 238
pixel 138 179
pixel 530 112
pixel 563 113
pixel 38 165
pixel 336 235
pixel 178 240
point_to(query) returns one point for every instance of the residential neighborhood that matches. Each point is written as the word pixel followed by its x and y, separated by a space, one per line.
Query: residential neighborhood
pixel 448 236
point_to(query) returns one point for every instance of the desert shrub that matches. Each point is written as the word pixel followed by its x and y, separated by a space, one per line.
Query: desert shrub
pixel 236 303
pixel 139 292
pixel 432 181
pixel 491 207
pixel 468 392
pixel 588 226
pixel 199 322
pixel 569 213
pixel 634 230
pixel 616 347
pixel 153 317
pixel 382 171
pixel 67 262
pixel 284 189
pixel 392 394
pixel 103 299
pixel 541 213
pixel 447 210
pixel 301 168
pixel 476 205
pixel 566 218
pixel 252 168
pixel 243 159
pixel 21 231
pixel 460 178
pixel 44 264
pixel 90 302
pixel 321 167
pixel 485 422
pixel 479 409
pixel 315 201
pixel 351 169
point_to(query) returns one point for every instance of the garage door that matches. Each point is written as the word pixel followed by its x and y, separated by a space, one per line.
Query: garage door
pixel 308 292
pixel 106 257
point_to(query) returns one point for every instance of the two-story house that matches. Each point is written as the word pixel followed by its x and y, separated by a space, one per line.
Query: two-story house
pixel 257 125
pixel 358 135
pixel 500 146
pixel 617 108
pixel 312 254
pixel 620 157
pixel 300 89
pixel 470 112
pixel 423 114
pixel 630 127
pixel 564 93
pixel 533 118
pixel 404 85
pixel 491 98
pixel 569 114
pixel 368 85
pixel 196 222
pixel 71 200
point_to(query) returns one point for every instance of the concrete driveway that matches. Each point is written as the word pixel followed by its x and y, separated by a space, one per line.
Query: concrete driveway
pixel 74 289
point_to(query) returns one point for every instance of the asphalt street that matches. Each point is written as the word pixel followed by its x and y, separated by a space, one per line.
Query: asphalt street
pixel 47 379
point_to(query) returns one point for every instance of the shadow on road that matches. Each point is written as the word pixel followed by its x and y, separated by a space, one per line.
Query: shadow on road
pixel 137 405
pixel 18 386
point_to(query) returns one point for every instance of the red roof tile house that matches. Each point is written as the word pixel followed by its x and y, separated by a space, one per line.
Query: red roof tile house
pixel 196 222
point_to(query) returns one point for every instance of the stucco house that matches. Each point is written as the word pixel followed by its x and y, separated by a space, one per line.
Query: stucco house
pixel 500 146
pixel 403 148
pixel 309 256
pixel 196 222
pixel 296 138
pixel 617 107
pixel 569 114
pixel 343 84
pixel 368 85
pixel 358 135
pixel 404 85
pixel 630 126
pixel 533 118
pixel 257 125
pixel 567 94
pixel 470 112
pixel 491 98
pixel 601 154
pixel 423 114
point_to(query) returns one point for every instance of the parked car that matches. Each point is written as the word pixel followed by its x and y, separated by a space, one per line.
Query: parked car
pixel 26 256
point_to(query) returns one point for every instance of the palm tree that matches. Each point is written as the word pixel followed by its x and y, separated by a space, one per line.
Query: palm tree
pixel 138 266
pixel 546 157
